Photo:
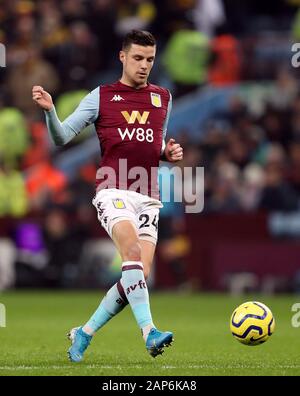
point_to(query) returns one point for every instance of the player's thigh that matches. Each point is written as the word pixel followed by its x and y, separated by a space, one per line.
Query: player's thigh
pixel 114 207
pixel 126 239
pixel 148 250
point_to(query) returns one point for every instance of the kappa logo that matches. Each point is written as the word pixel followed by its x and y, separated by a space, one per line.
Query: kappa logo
pixel 117 98
pixel 136 115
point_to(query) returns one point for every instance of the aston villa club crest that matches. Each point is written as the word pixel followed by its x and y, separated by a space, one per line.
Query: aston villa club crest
pixel 155 99
pixel 119 203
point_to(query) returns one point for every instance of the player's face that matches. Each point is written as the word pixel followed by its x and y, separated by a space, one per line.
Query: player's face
pixel 137 64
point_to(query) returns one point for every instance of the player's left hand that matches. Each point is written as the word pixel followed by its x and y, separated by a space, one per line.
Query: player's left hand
pixel 173 151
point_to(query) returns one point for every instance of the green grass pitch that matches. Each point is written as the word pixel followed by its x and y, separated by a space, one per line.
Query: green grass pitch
pixel 34 340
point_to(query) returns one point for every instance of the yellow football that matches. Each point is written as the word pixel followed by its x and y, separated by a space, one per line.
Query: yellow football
pixel 252 323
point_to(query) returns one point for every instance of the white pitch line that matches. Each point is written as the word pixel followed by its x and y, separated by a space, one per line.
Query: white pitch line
pixel 23 367
pixel 12 368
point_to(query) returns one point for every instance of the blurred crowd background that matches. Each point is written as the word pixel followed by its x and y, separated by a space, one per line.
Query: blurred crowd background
pixel 248 141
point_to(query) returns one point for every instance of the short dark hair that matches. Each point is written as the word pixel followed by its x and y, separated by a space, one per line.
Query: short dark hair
pixel 139 37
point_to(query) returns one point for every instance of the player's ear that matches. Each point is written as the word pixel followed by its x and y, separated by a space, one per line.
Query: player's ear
pixel 122 56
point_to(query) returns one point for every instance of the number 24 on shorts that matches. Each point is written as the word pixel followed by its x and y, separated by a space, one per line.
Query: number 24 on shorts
pixel 147 221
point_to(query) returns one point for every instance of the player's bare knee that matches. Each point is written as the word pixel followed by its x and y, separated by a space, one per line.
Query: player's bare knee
pixel 133 252
pixel 146 272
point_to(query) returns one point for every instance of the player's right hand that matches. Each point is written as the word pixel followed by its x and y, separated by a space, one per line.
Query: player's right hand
pixel 42 98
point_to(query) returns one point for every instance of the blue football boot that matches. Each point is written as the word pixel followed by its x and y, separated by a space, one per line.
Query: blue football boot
pixel 157 340
pixel 80 341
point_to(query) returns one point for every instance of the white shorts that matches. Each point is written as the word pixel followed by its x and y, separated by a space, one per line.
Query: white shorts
pixel 115 205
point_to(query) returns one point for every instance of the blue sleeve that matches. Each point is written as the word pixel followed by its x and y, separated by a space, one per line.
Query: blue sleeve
pixel 165 127
pixel 85 114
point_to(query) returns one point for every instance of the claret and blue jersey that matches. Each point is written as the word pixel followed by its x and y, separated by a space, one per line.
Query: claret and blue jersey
pixel 131 125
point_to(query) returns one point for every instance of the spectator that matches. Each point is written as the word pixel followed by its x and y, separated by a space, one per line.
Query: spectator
pixel 293 168
pixel 81 50
pixel 251 187
pixel 208 14
pixel 277 194
pixel 7 263
pixel 224 194
pixel 285 90
pixel 24 75
pixel 13 196
pixel 102 21
pixel 13 136
pixel 186 60
pixel 45 183
pixel 64 243
pixel 39 146
pixel 134 14
pixel 226 61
